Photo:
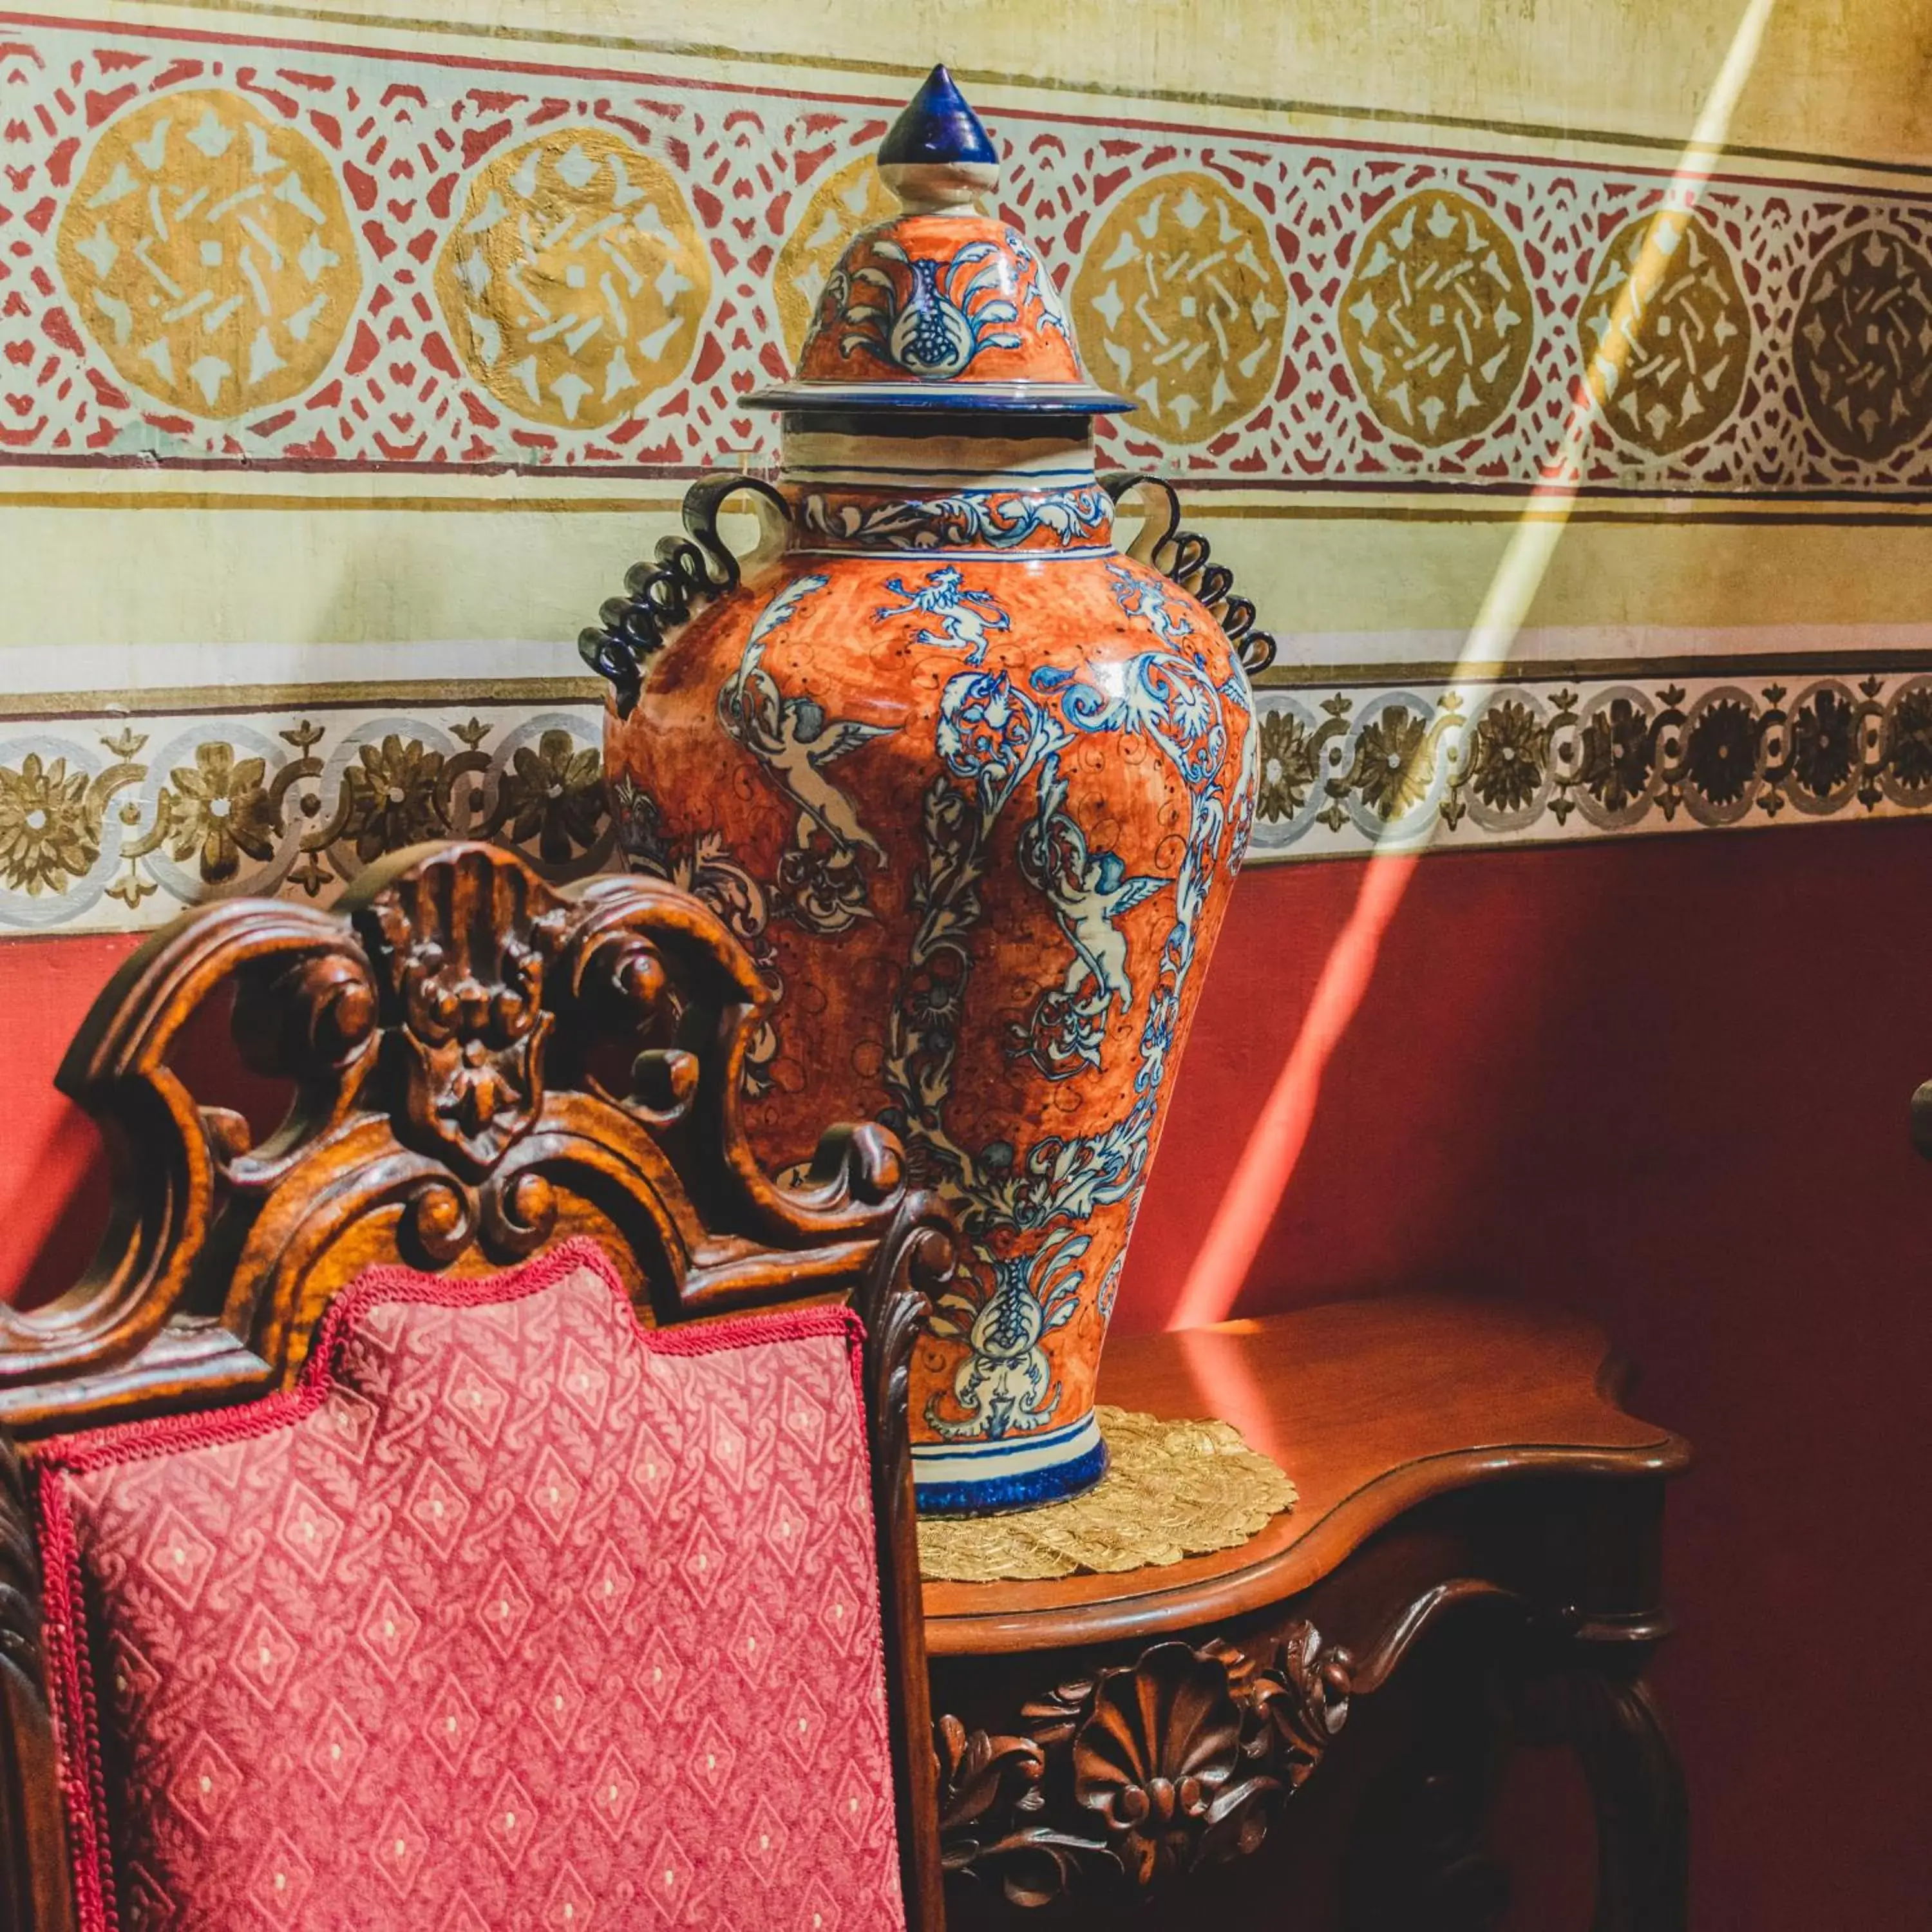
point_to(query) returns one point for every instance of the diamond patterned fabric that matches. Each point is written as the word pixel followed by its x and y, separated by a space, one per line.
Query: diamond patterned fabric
pixel 513 1614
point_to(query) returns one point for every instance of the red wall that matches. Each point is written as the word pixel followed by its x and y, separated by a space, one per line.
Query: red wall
pixel 1663 1080
pixel 52 1195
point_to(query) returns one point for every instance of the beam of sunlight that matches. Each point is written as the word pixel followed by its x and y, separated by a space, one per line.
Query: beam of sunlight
pixel 1274 1145
pixel 1226 1386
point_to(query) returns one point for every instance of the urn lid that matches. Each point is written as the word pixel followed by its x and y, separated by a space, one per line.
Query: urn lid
pixel 944 306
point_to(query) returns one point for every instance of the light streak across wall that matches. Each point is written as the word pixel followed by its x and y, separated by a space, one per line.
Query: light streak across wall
pixel 1273 1148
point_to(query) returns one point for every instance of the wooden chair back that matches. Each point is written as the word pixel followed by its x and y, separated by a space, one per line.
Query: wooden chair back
pixel 482 1069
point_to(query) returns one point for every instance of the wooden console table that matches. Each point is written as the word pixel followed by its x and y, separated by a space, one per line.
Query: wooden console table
pixel 1310 1730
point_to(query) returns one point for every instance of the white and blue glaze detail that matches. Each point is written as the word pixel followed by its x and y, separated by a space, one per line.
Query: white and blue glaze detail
pixel 822 880
pixel 1024 1209
pixel 976 1478
pixel 967 618
pixel 1074 522
pixel 1003 744
pixel 932 318
pixel 944 306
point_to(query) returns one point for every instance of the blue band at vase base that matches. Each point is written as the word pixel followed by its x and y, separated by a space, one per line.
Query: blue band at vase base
pixel 1012 1473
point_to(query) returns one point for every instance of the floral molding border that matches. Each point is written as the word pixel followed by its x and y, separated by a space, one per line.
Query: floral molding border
pixel 1535 760
pixel 115 824
pixel 1369 314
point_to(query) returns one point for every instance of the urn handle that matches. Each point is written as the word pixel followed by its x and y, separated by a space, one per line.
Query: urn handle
pixel 1184 557
pixel 661 597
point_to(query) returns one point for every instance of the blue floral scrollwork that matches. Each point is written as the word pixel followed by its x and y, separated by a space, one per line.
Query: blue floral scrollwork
pixel 1076 519
pixel 931 317
pixel 1023 1210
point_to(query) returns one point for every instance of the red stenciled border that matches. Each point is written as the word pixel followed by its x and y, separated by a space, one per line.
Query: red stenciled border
pixel 890 94
pixel 69 1662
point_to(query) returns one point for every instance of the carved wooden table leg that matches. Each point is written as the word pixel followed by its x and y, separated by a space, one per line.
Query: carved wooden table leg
pixel 1594 1699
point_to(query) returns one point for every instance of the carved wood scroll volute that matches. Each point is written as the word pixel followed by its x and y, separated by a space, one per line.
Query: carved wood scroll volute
pixel 1142 1770
pixel 479 1064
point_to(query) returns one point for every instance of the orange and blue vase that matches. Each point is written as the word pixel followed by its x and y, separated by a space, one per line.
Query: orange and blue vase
pixel 970 784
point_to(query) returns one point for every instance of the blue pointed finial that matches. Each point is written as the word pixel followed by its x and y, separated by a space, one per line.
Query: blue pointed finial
pixel 916 299
pixel 938 126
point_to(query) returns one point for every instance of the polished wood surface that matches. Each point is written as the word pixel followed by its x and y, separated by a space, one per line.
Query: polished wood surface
pixel 1313 1727
pixel 1372 1408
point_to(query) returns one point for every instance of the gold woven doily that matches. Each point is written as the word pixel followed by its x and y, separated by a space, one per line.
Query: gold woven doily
pixel 1171 1489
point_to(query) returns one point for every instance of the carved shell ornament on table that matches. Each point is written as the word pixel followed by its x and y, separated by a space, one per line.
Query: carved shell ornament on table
pixel 1180 1758
pixel 969 782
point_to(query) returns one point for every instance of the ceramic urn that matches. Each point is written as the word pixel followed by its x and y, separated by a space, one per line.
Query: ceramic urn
pixel 969 783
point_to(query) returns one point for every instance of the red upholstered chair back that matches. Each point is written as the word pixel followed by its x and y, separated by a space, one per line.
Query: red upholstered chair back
pixel 396 1546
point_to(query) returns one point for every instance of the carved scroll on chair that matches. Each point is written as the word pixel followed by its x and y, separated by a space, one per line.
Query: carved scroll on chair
pixel 481 1069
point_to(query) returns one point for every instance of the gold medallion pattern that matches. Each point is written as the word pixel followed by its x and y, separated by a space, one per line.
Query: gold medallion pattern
pixel 209 253
pixel 576 280
pixel 853 198
pixel 115 828
pixel 1437 320
pixel 1180 301
pixel 1864 345
pixel 1665 333
pixel 49 825
pixel 320 341
pixel 1383 768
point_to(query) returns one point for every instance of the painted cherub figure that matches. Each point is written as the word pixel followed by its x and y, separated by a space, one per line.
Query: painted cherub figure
pixel 792 736
pixel 1089 891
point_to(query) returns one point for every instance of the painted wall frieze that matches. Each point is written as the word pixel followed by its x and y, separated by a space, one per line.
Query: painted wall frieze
pixel 1396 766
pixel 115 824
pixel 230 249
